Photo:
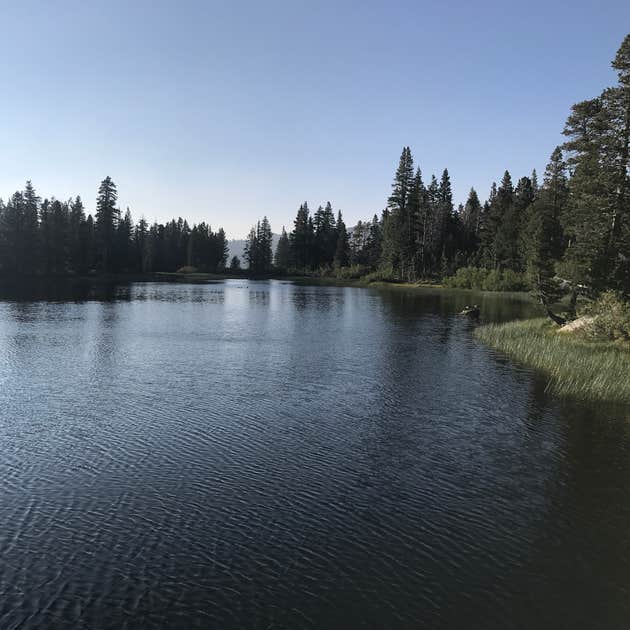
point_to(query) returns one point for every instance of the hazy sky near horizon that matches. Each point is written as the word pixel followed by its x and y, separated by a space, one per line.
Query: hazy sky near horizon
pixel 226 111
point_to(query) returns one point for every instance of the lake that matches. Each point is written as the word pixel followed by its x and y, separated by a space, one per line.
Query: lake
pixel 269 455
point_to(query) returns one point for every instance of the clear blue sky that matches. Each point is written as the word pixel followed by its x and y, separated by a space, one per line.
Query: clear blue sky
pixel 226 111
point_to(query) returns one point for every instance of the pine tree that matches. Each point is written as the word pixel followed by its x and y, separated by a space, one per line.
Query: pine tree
pixel 282 256
pixel 534 180
pixel 542 234
pixel 222 249
pixel 123 260
pixel 264 239
pixel 76 220
pixel 617 105
pixel 506 237
pixel 342 249
pixel 587 219
pixel 431 246
pixel 523 194
pixel 488 229
pixel 555 193
pixel 59 232
pixel 30 231
pixel 445 224
pixel 258 247
pixel 325 234
pixel 301 239
pixel 358 240
pixel 471 216
pixel 88 241
pixel 141 250
pixel 250 252
pixel 107 217
pixel 399 222
pixel 12 229
pixel 374 245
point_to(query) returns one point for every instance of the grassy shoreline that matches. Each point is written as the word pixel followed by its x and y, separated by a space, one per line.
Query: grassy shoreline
pixel 576 366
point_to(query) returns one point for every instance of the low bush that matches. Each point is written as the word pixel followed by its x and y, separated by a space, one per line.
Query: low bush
pixel 487 279
pixel 353 272
pixel 381 275
pixel 611 318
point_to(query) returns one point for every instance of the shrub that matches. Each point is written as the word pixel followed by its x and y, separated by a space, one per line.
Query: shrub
pixel 382 275
pixel 492 281
pixel 467 278
pixel 487 279
pixel 611 318
pixel 353 272
pixel 513 281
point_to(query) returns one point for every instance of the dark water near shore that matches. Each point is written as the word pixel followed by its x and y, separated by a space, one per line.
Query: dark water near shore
pixel 270 456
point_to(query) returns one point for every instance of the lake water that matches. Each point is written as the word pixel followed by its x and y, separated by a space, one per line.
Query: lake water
pixel 272 456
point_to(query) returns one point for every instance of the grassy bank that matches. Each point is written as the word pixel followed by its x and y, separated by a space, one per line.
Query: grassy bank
pixel 576 366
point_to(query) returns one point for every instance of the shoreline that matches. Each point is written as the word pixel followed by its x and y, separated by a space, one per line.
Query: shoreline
pixel 576 366
pixel 204 278
pixel 22 282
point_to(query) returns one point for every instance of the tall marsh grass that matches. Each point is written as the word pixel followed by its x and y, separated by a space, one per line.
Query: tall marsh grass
pixel 576 366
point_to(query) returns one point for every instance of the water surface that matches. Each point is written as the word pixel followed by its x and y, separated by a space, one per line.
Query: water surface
pixel 265 455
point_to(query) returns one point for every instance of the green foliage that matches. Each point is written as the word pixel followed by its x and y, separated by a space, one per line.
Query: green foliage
pixel 235 264
pixel 574 365
pixel 107 217
pixel 383 274
pixel 487 279
pixel 55 237
pixel 301 240
pixel 326 232
pixel 597 220
pixel 352 272
pixel 611 318
pixel 471 216
pixel 342 246
pixel 467 278
pixel 542 240
pixel 282 257
pixel 258 252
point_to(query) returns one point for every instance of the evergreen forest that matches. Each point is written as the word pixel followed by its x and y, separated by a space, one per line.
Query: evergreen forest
pixel 569 227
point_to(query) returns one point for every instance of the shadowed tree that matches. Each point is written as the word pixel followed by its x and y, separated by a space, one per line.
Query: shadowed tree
pixel 283 253
pixel 107 217
pixel 342 250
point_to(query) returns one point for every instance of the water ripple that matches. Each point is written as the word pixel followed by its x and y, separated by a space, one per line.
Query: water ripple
pixel 261 455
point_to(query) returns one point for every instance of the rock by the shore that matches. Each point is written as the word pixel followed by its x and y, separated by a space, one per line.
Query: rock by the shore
pixel 577 324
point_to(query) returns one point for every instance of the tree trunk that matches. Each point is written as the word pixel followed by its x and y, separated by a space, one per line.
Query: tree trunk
pixel 556 319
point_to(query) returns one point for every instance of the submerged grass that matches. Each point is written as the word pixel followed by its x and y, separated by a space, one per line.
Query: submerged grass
pixel 576 366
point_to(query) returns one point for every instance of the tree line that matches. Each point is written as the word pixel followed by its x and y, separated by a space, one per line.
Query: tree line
pixel 57 237
pixel 572 229
pixel 317 242
pixel 574 226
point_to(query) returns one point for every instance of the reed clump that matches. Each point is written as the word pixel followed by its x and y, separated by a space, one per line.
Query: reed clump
pixel 577 365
